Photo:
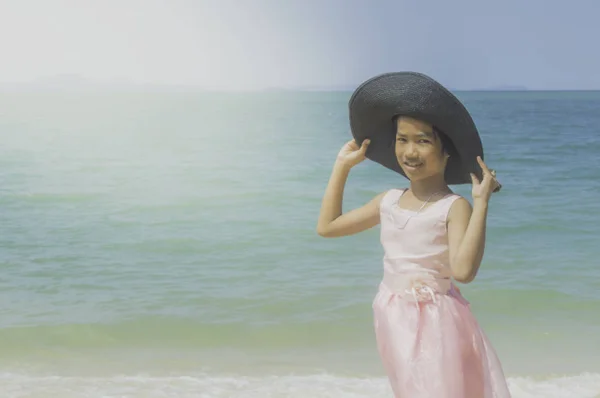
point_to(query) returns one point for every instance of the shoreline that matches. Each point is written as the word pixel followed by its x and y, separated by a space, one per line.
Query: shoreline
pixel 520 361
pixel 239 385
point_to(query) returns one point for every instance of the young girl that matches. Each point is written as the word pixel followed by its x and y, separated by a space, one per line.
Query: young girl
pixel 428 339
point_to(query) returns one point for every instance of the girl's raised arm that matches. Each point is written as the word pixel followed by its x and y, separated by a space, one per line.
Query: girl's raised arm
pixel 332 222
pixel 467 227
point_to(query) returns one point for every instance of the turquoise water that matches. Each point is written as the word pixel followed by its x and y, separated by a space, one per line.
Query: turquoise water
pixel 163 244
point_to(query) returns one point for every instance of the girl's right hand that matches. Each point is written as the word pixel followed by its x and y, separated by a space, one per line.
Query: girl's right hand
pixel 482 190
pixel 351 154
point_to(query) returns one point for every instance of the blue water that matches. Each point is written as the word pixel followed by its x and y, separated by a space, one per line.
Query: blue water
pixel 163 244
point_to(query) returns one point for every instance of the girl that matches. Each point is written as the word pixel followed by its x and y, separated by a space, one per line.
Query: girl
pixel 430 344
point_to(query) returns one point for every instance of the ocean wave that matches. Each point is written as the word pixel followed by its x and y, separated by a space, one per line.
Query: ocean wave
pixel 585 385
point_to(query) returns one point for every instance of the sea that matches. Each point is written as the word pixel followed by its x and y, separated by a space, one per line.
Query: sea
pixel 162 243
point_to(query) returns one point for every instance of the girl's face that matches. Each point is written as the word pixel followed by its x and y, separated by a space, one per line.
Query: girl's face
pixel 419 149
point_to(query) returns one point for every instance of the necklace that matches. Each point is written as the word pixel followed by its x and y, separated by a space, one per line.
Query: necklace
pixel 406 218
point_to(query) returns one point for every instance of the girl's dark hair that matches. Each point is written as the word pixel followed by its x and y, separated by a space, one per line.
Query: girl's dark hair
pixel 447 144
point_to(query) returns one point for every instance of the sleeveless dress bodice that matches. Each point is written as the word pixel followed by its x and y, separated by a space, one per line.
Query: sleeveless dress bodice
pixel 415 244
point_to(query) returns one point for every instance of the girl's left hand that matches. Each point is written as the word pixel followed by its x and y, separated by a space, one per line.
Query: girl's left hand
pixel 482 190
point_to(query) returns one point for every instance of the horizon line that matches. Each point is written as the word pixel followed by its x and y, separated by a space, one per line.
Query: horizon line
pixel 108 86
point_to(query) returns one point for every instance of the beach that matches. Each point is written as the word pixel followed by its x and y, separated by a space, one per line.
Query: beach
pixel 163 244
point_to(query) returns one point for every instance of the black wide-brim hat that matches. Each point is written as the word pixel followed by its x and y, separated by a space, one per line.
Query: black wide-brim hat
pixel 375 104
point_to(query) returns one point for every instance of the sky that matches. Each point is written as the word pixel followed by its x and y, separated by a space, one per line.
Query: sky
pixel 257 44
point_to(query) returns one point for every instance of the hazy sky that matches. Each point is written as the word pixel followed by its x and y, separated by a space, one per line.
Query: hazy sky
pixel 542 44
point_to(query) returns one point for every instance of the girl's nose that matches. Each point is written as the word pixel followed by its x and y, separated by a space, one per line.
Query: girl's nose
pixel 411 151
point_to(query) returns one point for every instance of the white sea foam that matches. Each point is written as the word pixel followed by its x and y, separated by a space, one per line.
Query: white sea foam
pixel 231 386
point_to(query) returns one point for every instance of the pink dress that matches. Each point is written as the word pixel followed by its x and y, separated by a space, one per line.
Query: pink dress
pixel 429 341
